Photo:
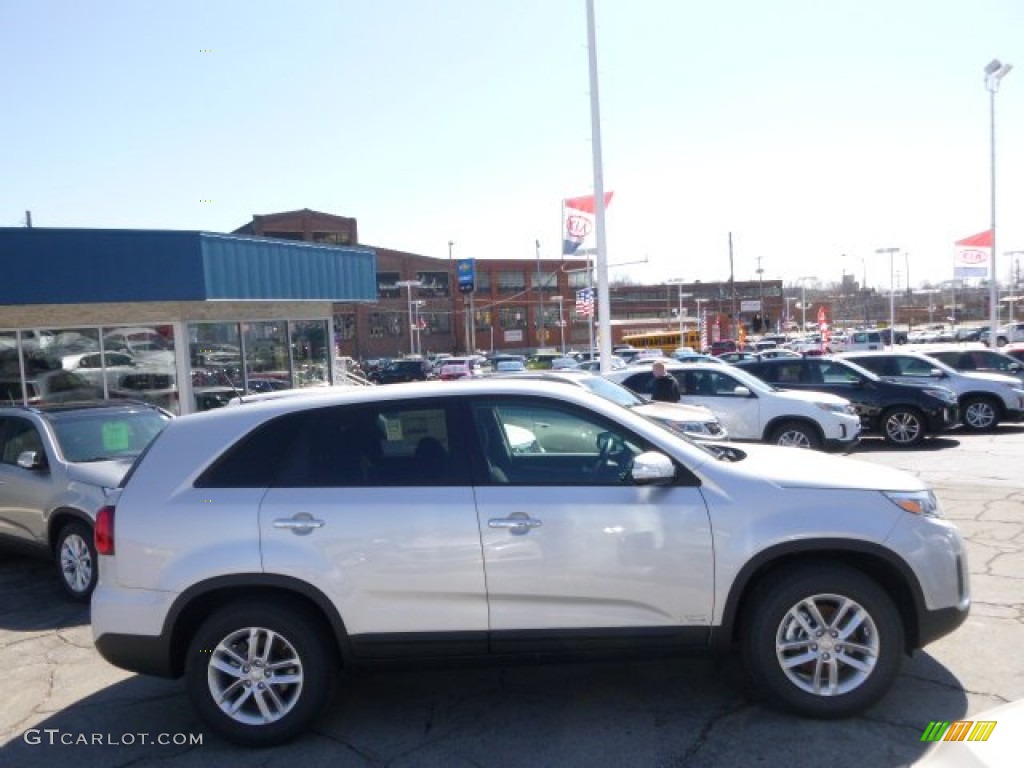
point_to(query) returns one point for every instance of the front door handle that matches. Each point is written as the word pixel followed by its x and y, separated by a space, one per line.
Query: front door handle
pixel 300 524
pixel 517 523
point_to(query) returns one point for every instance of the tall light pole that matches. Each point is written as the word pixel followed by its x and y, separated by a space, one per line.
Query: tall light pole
pixel 892 294
pixel 452 289
pixel 995 71
pixel 678 282
pixel 540 295
pixel 409 285
pixel 803 302
pixel 561 321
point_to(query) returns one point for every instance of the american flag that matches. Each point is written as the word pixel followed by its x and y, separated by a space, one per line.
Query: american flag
pixel 585 302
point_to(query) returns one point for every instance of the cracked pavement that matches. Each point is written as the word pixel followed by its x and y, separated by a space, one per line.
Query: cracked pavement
pixel 682 712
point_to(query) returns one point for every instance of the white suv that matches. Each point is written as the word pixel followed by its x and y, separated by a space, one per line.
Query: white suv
pixel 1010 333
pixel 750 409
pixel 257 550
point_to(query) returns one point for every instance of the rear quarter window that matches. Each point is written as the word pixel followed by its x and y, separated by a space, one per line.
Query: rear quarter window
pixel 256 459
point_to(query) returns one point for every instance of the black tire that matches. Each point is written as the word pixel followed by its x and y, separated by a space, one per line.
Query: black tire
pixel 301 652
pixel 796 434
pixel 75 558
pixel 979 413
pixel 903 426
pixel 778 613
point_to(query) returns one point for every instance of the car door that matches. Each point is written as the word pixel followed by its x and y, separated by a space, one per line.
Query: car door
pixel 24 493
pixel 573 552
pixel 374 504
pixel 740 414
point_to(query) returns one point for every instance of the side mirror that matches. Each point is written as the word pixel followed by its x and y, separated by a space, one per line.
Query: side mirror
pixel 741 391
pixel 652 468
pixel 32 460
pixel 935 373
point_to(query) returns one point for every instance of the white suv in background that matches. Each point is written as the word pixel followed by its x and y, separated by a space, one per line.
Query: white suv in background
pixel 258 550
pixel 1010 333
pixel 750 409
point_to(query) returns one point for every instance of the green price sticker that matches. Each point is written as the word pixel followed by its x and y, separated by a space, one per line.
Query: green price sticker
pixel 116 437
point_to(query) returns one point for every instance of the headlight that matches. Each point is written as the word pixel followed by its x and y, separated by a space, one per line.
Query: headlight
pixel 837 408
pixel 688 427
pixel 916 502
pixel 943 394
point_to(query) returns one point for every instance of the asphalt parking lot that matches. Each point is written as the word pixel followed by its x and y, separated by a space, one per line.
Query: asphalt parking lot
pixel 61 701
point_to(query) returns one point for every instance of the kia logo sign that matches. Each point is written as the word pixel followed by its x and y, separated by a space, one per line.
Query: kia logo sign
pixel 971 256
pixel 577 226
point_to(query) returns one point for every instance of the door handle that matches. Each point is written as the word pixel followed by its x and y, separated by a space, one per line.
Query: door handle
pixel 301 524
pixel 518 523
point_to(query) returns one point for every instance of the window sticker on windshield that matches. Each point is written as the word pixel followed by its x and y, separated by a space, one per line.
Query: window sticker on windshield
pixel 116 437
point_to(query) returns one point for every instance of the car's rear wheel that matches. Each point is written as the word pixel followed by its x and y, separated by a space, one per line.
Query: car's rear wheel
pixel 979 413
pixel 796 434
pixel 260 672
pixel 903 426
pixel 821 640
pixel 75 557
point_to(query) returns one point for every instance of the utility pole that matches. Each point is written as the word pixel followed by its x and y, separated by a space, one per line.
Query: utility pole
pixel 760 295
pixel 732 290
pixel 540 294
pixel 28 219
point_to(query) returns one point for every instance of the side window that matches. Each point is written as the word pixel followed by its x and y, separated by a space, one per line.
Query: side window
pixel 722 384
pixel 256 459
pixel 375 445
pixel 911 366
pixel 543 443
pixel 787 373
pixel 19 436
pixel 832 373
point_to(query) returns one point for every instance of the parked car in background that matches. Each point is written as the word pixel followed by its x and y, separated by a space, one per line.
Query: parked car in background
pixel 461 368
pixel 904 414
pixel 405 369
pixel 594 366
pixel 49 387
pixel 693 421
pixel 509 366
pixel 985 399
pixel 981 360
pixel 771 354
pixel 859 341
pixel 735 357
pixel 56 465
pixel 750 409
pixel 1011 332
pixel 257 551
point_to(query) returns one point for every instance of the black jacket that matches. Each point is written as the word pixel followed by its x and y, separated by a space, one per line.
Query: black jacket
pixel 665 388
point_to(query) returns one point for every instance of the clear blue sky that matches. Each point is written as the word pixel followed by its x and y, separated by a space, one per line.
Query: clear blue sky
pixel 814 130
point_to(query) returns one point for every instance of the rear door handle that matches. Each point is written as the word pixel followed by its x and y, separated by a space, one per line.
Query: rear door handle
pixel 300 524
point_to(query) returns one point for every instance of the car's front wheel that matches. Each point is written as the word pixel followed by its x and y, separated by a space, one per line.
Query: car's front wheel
pixel 979 413
pixel 796 434
pixel 903 426
pixel 822 640
pixel 75 556
pixel 260 672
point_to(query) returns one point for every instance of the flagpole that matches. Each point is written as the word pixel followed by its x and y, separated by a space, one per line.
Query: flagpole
pixel 603 296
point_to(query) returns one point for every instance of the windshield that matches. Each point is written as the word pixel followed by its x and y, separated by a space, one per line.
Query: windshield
pixel 102 434
pixel 612 391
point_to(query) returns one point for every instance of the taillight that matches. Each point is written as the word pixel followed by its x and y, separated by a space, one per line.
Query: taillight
pixel 104 531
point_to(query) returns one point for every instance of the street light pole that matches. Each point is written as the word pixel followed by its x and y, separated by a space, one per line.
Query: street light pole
pixel 803 302
pixel 995 71
pixel 561 321
pixel 409 285
pixel 892 294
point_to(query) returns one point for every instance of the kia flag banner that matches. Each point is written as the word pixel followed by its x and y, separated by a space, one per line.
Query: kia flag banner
pixel 973 255
pixel 823 328
pixel 578 221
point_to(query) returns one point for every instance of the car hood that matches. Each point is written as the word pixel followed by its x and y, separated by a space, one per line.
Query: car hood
pixel 798 468
pixel 674 411
pixel 105 474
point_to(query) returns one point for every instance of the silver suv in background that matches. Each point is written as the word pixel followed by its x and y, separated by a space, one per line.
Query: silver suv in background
pixel 985 399
pixel 257 550
pixel 56 465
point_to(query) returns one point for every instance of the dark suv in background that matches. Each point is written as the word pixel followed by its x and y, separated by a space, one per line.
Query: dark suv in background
pixel 904 414
pixel 397 371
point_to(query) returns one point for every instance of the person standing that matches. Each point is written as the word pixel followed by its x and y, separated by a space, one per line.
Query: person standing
pixel 665 387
